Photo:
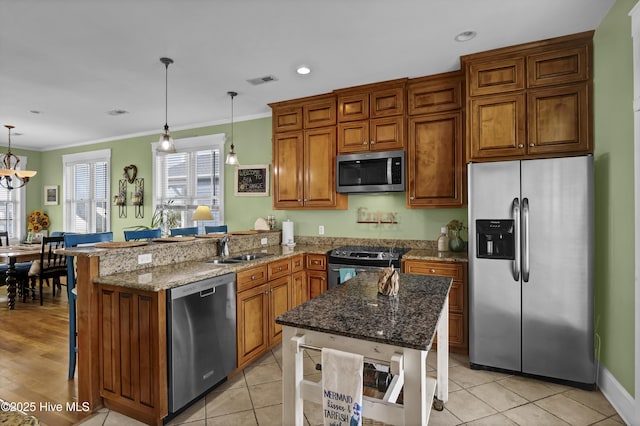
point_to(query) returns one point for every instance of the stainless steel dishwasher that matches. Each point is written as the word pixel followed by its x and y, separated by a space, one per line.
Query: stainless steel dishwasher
pixel 201 337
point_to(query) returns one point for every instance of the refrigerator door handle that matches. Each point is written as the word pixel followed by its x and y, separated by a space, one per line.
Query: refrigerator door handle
pixel 525 240
pixel 515 215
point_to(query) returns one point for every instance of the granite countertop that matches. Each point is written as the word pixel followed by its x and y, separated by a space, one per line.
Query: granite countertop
pixel 433 254
pixel 160 278
pixel 355 309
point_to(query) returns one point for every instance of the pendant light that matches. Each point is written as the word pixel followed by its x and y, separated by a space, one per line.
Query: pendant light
pixel 10 176
pixel 166 142
pixel 232 157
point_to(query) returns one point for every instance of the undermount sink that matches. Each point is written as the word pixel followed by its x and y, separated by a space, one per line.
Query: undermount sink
pixel 239 258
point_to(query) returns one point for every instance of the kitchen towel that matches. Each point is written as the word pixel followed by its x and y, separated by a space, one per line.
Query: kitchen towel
pixel 341 387
pixel 287 233
pixel 346 274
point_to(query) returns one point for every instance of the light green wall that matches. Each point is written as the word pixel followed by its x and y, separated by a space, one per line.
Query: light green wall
pixel 614 253
pixel 253 144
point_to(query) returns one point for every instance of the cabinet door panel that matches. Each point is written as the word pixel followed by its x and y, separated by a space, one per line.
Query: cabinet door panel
pixel 317 283
pixel 279 303
pixel 386 102
pixel 435 166
pixel 286 119
pixel 497 126
pixel 319 170
pixel 496 76
pixel 253 308
pixel 437 95
pixel 287 170
pixel 559 120
pixel 353 107
pixel 387 134
pixel 353 136
pixel 319 114
pixel 299 288
pixel 558 67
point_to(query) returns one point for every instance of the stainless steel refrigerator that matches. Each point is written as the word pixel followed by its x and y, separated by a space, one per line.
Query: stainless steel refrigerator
pixel 531 267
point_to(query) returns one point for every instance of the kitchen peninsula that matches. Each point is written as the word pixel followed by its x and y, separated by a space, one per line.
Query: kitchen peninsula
pixel 138 295
pixel 399 330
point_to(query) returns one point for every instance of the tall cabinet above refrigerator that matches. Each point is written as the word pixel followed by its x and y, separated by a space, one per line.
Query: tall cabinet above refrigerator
pixel 531 267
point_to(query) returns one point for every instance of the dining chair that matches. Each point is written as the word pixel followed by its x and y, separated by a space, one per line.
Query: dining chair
pixel 143 234
pixel 215 229
pixel 74 240
pixel 50 265
pixel 184 231
pixel 22 268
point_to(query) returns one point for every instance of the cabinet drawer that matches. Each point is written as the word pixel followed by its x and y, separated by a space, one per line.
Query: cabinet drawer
pixel 496 76
pixel 297 263
pixel 558 67
pixel 440 269
pixel 316 262
pixel 251 277
pixel 278 269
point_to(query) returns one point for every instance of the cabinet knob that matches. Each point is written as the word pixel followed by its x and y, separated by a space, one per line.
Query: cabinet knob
pixel 412 198
pixel 532 144
pixel 373 142
pixel 279 268
pixel 253 277
pixel 433 271
pixel 520 146
pixel 364 142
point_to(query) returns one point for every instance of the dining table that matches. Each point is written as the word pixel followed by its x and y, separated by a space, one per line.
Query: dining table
pixel 11 255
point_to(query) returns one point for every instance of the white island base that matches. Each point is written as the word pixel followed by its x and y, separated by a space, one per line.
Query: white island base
pixel 408 366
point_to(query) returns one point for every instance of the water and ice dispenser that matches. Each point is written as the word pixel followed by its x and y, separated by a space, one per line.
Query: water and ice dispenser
pixel 495 239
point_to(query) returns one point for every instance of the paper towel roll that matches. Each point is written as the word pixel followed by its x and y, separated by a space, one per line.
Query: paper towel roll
pixel 287 233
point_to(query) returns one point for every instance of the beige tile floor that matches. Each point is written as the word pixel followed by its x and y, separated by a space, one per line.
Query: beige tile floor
pixel 254 397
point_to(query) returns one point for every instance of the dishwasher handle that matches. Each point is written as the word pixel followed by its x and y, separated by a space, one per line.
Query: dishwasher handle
pixel 207 292
pixel 203 288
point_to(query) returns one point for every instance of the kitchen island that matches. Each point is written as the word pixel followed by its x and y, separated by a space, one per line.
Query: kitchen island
pixel 396 330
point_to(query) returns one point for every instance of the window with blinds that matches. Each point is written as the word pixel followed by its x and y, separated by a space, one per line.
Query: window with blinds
pixel 9 216
pixel 191 177
pixel 87 191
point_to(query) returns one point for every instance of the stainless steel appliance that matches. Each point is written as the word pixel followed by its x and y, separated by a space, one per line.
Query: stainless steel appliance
pixel 371 172
pixel 361 259
pixel 201 337
pixel 531 267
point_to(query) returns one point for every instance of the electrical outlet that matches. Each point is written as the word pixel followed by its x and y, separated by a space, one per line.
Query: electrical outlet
pixel 263 241
pixel 321 230
pixel 144 258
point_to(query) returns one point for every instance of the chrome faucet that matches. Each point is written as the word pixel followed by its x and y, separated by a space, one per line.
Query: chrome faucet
pixel 223 246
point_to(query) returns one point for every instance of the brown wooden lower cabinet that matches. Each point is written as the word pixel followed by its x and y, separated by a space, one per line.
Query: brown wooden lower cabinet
pixel 253 310
pixel 316 267
pixel 133 351
pixel 458 311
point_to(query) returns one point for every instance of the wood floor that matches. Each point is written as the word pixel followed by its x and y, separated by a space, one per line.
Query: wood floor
pixel 34 358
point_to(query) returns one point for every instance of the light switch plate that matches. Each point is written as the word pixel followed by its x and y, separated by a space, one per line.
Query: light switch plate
pixel 144 258
pixel 263 241
pixel 321 230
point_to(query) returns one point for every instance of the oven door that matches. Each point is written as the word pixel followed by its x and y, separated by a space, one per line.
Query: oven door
pixel 334 272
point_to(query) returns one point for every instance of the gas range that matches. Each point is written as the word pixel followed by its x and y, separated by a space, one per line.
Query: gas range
pixel 367 256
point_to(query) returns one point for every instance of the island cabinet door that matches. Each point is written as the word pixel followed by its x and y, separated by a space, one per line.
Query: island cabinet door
pixel 132 343
pixel 253 311
pixel 279 303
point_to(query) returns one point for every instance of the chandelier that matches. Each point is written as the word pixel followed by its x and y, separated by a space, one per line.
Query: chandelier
pixel 10 176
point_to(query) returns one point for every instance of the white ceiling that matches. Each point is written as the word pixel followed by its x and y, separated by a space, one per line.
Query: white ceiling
pixel 75 60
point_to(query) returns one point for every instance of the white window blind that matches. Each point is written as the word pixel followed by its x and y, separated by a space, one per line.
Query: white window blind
pixel 191 177
pixel 87 191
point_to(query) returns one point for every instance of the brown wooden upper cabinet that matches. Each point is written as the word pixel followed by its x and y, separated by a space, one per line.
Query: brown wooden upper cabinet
pixel 435 165
pixel 372 117
pixel 305 113
pixel 530 101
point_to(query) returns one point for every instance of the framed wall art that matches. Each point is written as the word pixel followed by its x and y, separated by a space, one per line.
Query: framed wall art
pixel 51 195
pixel 252 181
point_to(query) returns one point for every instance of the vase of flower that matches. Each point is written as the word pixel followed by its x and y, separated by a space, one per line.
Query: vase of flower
pixel 456 243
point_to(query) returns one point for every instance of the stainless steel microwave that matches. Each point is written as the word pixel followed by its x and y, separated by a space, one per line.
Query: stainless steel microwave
pixel 371 172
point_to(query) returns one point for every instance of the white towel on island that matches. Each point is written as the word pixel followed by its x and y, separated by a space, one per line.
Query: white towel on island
pixel 341 388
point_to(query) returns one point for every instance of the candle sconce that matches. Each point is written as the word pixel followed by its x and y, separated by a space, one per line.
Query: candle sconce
pixel 138 198
pixel 120 199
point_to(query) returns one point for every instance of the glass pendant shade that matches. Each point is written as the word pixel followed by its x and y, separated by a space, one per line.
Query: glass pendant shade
pixel 232 157
pixel 165 144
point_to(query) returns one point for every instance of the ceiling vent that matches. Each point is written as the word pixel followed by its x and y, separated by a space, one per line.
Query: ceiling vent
pixel 262 80
pixel 117 112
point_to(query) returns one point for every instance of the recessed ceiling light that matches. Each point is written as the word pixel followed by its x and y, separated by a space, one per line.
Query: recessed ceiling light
pixel 34 111
pixel 465 36
pixel 303 70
